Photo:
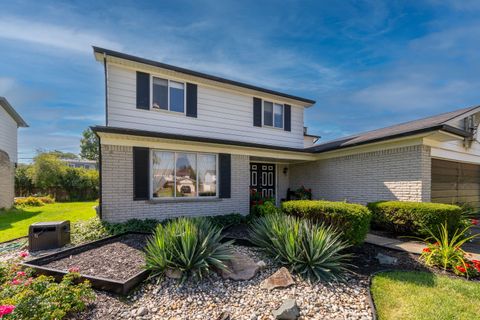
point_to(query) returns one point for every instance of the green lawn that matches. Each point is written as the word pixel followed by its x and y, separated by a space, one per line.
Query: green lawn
pixel 14 222
pixel 424 296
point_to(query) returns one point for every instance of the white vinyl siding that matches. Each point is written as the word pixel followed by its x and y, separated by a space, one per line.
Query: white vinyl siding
pixel 221 114
pixel 8 135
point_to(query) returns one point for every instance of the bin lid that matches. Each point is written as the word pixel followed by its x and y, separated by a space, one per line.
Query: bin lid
pixel 48 223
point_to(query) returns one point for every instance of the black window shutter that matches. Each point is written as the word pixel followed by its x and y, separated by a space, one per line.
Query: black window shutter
pixel 141 173
pixel 225 167
pixel 288 118
pixel 257 112
pixel 143 90
pixel 191 100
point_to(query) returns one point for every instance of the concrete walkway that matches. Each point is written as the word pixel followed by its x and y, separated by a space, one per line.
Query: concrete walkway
pixel 405 245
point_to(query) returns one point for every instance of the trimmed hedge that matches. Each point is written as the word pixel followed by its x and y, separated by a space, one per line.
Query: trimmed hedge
pixel 352 220
pixel 414 218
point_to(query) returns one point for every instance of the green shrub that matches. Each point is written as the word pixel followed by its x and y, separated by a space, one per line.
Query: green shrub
pixel 132 225
pixel 227 220
pixel 444 250
pixel 263 209
pixel 351 220
pixel 88 230
pixel 95 229
pixel 191 246
pixel 29 201
pixel 414 218
pixel 41 298
pixel 312 250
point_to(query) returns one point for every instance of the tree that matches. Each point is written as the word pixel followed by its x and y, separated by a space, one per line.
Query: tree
pixel 23 180
pixel 46 171
pixel 63 155
pixel 89 145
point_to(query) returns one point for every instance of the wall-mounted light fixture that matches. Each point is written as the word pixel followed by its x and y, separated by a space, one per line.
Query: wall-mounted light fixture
pixel 285 170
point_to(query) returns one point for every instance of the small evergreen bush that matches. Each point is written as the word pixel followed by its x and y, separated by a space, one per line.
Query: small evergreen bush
pixel 415 218
pixel 227 220
pixel 351 220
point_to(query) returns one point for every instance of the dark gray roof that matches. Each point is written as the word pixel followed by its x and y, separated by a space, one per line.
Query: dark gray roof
pixel 154 134
pixel 198 74
pixel 8 107
pixel 437 122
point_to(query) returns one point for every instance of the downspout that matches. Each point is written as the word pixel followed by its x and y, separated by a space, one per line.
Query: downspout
pixel 106 87
pixel 99 176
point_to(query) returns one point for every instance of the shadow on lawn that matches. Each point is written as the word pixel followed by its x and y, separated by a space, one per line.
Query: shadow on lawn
pixel 8 217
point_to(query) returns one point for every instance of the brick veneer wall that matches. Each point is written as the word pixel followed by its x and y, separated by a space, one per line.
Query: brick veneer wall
pixel 7 174
pixel 392 174
pixel 117 191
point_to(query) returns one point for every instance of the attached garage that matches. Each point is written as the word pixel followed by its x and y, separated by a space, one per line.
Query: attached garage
pixel 455 182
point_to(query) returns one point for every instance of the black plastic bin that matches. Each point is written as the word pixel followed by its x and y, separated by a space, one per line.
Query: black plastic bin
pixel 48 235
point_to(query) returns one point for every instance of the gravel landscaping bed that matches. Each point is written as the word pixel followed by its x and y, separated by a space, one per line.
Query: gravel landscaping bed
pixel 118 259
pixel 213 297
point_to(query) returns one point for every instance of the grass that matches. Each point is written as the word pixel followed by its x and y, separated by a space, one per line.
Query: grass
pixel 14 223
pixel 424 296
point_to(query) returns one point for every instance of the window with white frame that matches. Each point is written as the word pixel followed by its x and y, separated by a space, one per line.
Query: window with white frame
pixel 272 114
pixel 183 174
pixel 168 95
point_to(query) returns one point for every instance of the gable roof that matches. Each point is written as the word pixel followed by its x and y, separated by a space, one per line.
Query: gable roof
pixel 198 74
pixel 437 122
pixel 11 111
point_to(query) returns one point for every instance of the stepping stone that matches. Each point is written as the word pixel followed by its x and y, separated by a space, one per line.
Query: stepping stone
pixel 287 311
pixel 240 268
pixel 280 279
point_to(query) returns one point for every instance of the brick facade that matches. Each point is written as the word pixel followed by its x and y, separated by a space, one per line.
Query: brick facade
pixel 7 174
pixel 117 191
pixel 392 174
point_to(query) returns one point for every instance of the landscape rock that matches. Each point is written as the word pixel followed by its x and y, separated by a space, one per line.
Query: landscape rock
pixel 240 268
pixel 261 264
pixel 280 279
pixel 384 259
pixel 142 311
pixel 173 274
pixel 287 311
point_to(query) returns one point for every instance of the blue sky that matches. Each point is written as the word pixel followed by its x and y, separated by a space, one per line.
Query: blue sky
pixel 368 64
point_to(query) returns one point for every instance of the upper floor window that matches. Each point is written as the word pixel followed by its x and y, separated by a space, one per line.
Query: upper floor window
pixel 272 114
pixel 168 95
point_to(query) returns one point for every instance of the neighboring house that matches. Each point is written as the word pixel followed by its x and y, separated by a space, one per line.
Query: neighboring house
pixel 10 121
pixel 81 163
pixel 179 142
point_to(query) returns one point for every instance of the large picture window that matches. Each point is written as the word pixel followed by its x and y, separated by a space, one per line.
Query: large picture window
pixel 168 95
pixel 272 114
pixel 183 174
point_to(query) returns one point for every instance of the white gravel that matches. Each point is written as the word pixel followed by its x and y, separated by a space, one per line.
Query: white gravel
pixel 212 296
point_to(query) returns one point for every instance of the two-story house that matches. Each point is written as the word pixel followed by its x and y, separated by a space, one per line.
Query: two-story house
pixel 10 121
pixel 180 142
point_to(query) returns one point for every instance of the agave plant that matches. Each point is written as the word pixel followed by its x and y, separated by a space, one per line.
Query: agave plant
pixel 314 251
pixel 191 246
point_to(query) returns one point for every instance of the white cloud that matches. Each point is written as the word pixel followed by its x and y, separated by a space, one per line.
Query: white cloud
pixel 58 36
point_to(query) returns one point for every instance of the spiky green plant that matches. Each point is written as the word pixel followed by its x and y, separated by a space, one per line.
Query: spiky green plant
pixel 314 251
pixel 444 250
pixel 191 246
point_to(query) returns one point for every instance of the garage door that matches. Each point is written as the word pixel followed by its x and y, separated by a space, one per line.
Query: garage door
pixel 455 182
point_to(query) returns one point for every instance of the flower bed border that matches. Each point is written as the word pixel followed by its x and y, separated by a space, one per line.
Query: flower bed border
pixel 101 283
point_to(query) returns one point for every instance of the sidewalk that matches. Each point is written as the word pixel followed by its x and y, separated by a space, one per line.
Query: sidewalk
pixel 404 245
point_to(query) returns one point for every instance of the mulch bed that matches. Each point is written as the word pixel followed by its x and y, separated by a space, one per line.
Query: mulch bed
pixel 119 259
